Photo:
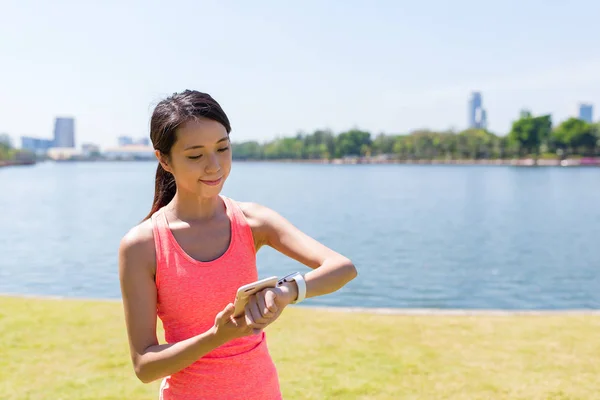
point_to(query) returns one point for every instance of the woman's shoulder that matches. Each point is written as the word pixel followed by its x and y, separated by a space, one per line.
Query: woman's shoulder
pixel 253 212
pixel 138 242
pixel 262 219
pixel 256 210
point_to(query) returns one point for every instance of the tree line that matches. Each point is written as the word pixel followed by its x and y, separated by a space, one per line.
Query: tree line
pixel 530 136
pixel 6 151
pixel 9 153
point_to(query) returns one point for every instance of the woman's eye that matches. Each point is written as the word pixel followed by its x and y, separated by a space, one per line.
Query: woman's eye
pixel 223 149
pixel 195 157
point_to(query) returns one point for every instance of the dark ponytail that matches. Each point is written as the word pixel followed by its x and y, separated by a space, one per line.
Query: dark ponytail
pixel 164 189
pixel 167 116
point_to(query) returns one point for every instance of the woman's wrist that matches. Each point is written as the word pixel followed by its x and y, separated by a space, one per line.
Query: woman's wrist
pixel 217 336
pixel 290 291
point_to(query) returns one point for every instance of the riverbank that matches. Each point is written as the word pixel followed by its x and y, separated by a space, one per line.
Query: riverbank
pixel 524 162
pixel 15 163
pixel 80 351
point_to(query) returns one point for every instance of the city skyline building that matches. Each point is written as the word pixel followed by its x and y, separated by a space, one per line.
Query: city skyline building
pixel 586 112
pixel 477 114
pixel 130 141
pixel 36 145
pixel 64 132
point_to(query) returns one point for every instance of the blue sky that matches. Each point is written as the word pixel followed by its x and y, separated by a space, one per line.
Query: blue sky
pixel 278 67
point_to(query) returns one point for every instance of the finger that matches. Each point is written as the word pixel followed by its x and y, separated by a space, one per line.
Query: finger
pixel 271 302
pixel 258 312
pixel 255 310
pixel 256 315
pixel 241 320
pixel 253 316
pixel 262 306
pixel 226 313
pixel 241 323
pixel 249 318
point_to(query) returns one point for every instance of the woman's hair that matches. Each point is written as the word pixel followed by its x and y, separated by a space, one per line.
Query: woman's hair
pixel 168 115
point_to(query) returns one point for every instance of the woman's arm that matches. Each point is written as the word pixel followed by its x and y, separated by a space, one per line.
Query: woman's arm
pixel 331 270
pixel 152 361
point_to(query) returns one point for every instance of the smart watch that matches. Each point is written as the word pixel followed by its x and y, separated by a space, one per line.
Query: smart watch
pixel 300 282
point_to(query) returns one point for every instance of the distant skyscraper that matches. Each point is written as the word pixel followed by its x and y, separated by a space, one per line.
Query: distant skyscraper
pixel 477 114
pixel 586 113
pixel 64 132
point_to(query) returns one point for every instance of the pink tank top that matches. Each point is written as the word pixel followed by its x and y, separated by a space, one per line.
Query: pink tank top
pixel 190 294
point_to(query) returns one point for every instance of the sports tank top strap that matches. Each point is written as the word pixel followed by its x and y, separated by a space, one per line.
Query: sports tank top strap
pixel 161 241
pixel 240 225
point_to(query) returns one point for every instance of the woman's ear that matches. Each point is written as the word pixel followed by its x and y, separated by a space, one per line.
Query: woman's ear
pixel 163 160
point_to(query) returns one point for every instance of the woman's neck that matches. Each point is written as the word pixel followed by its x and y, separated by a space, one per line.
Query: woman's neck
pixel 193 208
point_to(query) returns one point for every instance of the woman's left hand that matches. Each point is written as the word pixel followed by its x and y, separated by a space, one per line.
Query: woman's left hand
pixel 267 305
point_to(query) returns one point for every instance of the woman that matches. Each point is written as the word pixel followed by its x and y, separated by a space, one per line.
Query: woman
pixel 186 260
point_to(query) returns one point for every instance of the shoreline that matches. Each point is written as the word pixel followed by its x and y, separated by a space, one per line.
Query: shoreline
pixel 521 162
pixel 15 163
pixel 367 310
pixel 354 160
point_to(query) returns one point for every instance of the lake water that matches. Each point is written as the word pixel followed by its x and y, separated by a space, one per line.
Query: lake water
pixel 421 236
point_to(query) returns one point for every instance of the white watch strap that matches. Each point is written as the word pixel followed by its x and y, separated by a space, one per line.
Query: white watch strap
pixel 301 283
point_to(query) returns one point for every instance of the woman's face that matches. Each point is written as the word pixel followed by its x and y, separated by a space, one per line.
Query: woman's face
pixel 201 157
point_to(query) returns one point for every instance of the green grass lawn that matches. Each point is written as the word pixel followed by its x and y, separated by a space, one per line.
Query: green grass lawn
pixel 75 349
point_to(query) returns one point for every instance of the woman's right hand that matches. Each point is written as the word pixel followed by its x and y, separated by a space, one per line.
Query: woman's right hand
pixel 227 327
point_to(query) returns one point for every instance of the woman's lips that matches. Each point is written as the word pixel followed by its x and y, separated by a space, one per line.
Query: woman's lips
pixel 212 183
